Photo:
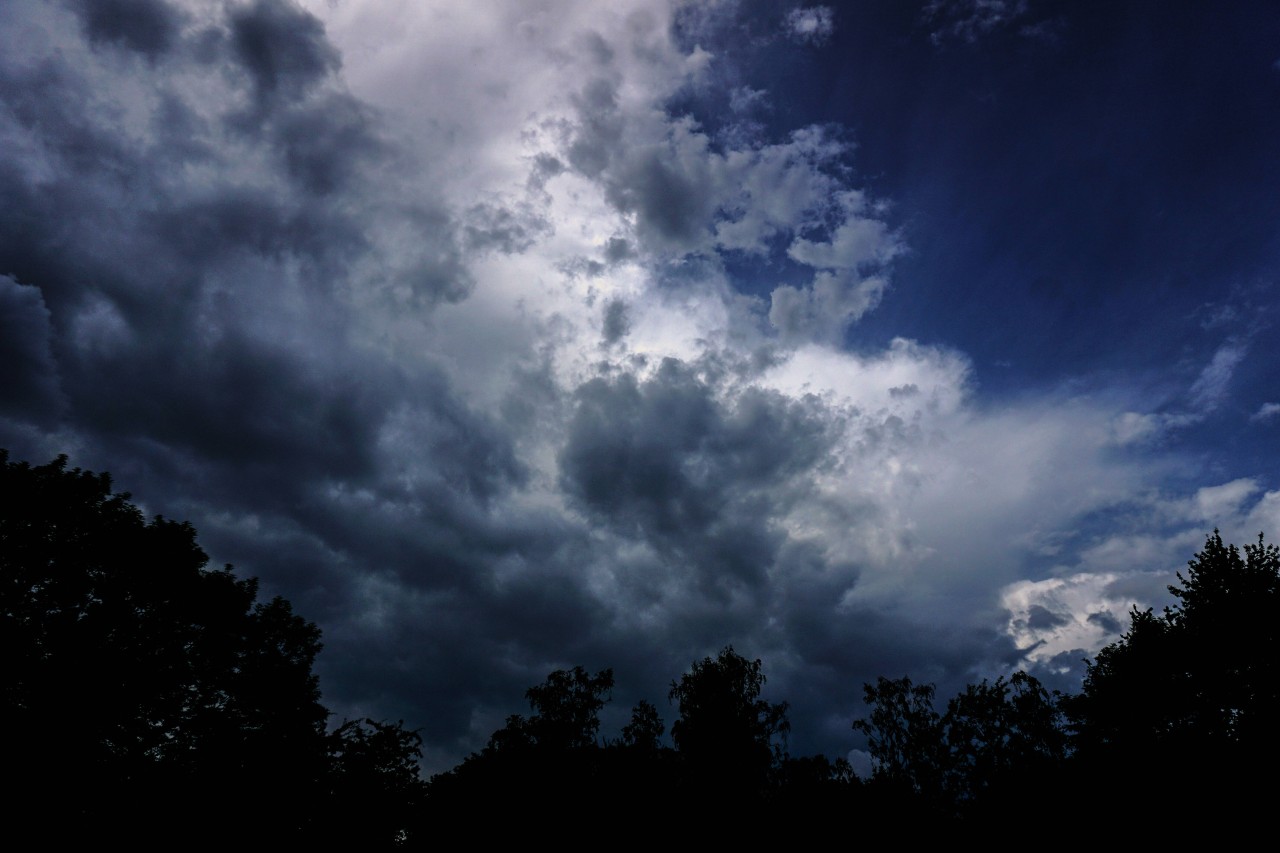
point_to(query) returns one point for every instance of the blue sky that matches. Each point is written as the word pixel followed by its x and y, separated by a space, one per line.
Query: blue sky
pixel 870 338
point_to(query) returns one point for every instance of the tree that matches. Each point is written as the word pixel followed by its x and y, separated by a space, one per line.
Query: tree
pixel 645 729
pixel 145 691
pixel 1002 738
pixel 566 713
pixel 996 741
pixel 1184 706
pixel 567 707
pixel 905 736
pixel 726 731
pixel 1199 685
pixel 375 792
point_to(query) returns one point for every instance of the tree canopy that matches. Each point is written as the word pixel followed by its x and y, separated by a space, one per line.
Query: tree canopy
pixel 1192 694
pixel 145 690
pixel 725 729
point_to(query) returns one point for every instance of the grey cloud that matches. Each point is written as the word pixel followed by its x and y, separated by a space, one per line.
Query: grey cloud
pixel 1106 621
pixel 823 310
pixel 149 27
pixel 672 203
pixel 545 167
pixel 1040 618
pixel 29 385
pixel 600 132
pixel 325 142
pixel 617 250
pixel 699 479
pixel 509 228
pixel 745 99
pixel 283 47
pixel 616 322
pixel 52 105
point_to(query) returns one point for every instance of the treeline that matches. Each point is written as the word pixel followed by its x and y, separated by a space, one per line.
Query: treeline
pixel 150 698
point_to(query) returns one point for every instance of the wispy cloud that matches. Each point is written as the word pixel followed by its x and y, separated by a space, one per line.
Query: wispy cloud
pixel 812 24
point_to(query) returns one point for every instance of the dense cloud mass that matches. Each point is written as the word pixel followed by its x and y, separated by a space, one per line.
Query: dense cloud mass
pixel 507 337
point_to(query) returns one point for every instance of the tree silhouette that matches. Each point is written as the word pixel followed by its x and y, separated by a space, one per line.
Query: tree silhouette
pixel 146 694
pixel 996 741
pixel 1004 740
pixel 375 793
pixel 645 729
pixel 905 736
pixel 534 765
pixel 1188 700
pixel 726 732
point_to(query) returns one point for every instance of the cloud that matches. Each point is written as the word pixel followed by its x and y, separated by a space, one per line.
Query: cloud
pixel 149 27
pixel 1266 412
pixel 432 316
pixel 970 20
pixel 282 46
pixel 1210 388
pixel 813 24
pixel 29 389
pixel 1078 613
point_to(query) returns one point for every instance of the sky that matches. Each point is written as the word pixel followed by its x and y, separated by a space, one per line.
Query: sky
pixel 869 338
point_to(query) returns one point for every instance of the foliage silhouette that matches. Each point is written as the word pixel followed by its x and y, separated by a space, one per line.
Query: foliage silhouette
pixel 979 757
pixel 546 761
pixel 905 736
pixel 375 792
pixel 645 729
pixel 1004 740
pixel 147 694
pixel 726 732
pixel 1188 701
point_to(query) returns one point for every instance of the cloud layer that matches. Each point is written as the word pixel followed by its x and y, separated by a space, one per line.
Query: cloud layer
pixel 433 316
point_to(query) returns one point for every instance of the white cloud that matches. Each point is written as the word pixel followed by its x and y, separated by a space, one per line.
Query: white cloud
pixel 813 24
pixel 1266 412
pixel 1210 388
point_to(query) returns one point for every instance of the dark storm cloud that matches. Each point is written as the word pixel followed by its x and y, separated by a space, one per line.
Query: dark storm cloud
pixel 324 142
pixel 207 228
pixel 149 27
pixel 55 105
pixel 282 46
pixel 196 317
pixel 182 319
pixel 697 478
pixel 669 200
pixel 29 387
